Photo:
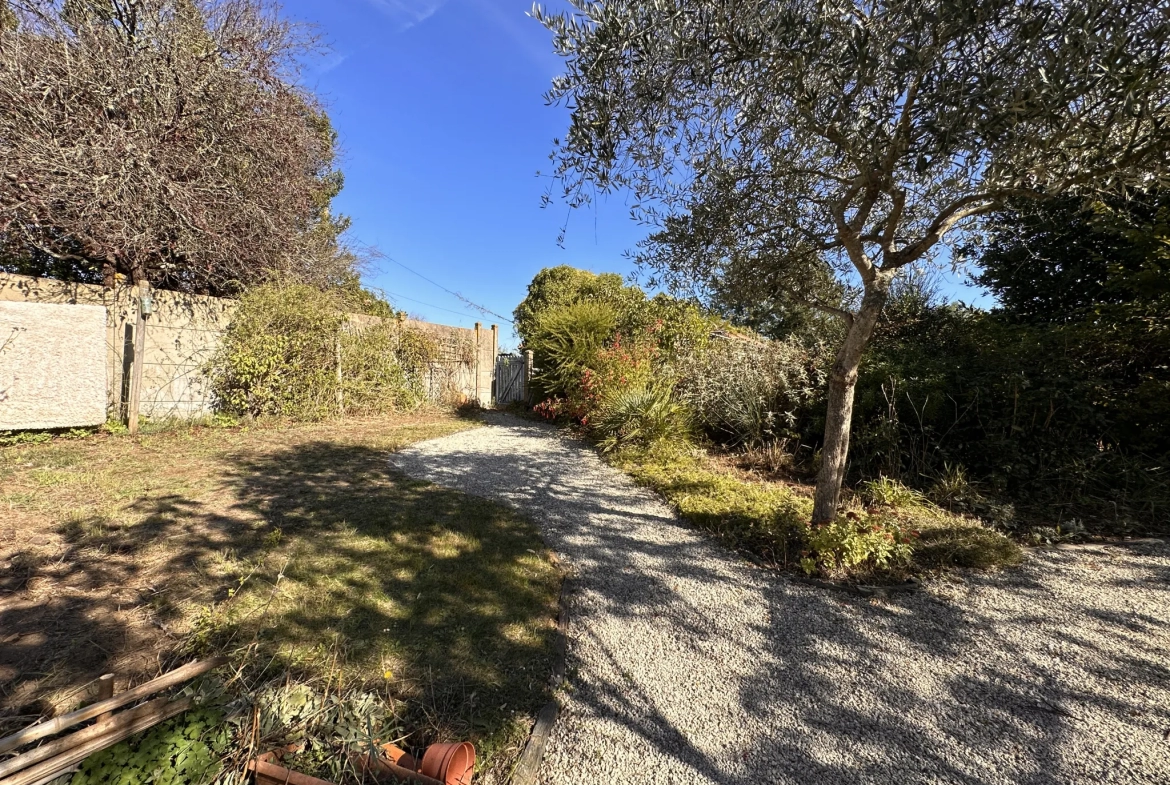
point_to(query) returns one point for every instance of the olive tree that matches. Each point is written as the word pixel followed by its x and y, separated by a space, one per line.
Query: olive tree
pixel 813 148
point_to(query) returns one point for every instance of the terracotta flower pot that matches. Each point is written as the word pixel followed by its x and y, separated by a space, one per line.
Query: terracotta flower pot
pixel 452 764
pixel 400 757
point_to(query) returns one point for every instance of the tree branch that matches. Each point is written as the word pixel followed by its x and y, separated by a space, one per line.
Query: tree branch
pixel 953 213
pixel 840 313
pixel 849 237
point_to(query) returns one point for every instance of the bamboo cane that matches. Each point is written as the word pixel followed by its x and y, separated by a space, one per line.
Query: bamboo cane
pixel 58 724
pixel 57 765
pixel 101 728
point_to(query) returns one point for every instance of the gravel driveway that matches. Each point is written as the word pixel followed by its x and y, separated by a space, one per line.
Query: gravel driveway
pixel 687 665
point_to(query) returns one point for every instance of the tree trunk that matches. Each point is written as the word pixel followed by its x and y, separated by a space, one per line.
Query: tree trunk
pixel 842 383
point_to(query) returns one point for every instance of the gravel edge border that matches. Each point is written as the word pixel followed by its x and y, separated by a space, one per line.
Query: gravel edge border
pixel 527 768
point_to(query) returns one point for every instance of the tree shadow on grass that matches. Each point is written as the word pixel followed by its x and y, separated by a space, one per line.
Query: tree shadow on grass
pixel 452 594
pixel 446 600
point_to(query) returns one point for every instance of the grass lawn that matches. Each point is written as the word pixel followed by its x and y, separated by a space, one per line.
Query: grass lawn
pixel 294 544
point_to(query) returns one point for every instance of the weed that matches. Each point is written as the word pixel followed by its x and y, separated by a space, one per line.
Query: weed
pixel 115 427
pixel 10 438
pixel 771 458
pixel 953 488
pixel 887 492
pixel 186 749
pixel 48 478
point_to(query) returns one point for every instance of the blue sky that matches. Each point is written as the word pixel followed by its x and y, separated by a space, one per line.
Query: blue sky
pixel 443 125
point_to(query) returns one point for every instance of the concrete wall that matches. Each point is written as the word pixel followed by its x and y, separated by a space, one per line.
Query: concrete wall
pixel 183 334
pixel 52 365
pixel 466 364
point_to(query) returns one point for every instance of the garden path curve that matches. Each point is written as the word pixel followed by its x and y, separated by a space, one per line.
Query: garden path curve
pixel 687 665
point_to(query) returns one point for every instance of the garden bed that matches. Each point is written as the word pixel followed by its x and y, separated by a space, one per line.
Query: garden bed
pixel 767 518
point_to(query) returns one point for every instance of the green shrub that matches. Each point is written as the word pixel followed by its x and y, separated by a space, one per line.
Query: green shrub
pixel 1055 402
pixel 677 322
pixel 618 368
pixel 616 388
pixel 383 367
pixel 855 544
pixel 554 288
pixel 642 415
pixel 565 342
pixel 279 356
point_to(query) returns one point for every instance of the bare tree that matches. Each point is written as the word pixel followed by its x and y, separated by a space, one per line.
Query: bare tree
pixel 818 146
pixel 164 140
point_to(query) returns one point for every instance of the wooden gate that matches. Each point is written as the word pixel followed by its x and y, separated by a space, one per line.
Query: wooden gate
pixel 511 382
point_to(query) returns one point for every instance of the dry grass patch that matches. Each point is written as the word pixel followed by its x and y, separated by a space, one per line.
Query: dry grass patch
pixel 296 543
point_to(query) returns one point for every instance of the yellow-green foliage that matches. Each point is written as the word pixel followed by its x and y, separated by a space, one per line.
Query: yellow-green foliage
pixel 888 492
pixel 767 519
pixel 854 544
pixel 280 356
pixel 383 367
pixel 771 520
pixel 564 343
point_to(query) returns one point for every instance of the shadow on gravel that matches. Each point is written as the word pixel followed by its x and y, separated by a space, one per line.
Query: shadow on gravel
pixel 1023 678
pixel 1034 684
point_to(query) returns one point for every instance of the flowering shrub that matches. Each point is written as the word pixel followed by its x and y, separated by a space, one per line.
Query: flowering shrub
pixel 854 543
pixel 606 371
pixel 622 365
pixel 556 408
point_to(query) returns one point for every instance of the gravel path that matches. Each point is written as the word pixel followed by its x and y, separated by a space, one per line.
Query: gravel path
pixel 687 665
